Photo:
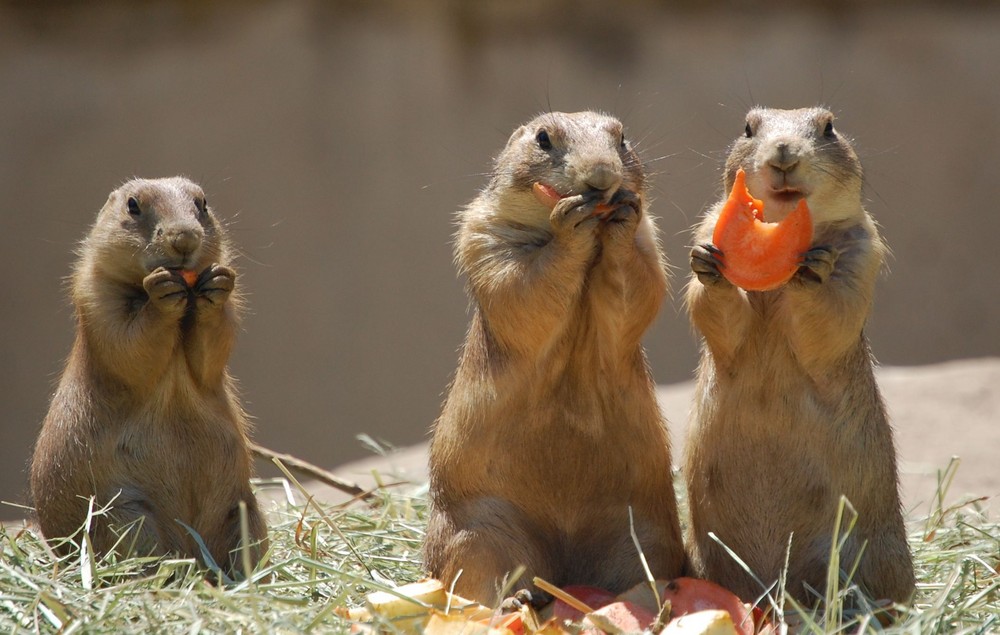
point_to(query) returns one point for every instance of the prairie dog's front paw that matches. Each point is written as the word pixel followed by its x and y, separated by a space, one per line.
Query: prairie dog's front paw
pixel 817 265
pixel 524 597
pixel 166 290
pixel 215 284
pixel 574 213
pixel 624 212
pixel 706 263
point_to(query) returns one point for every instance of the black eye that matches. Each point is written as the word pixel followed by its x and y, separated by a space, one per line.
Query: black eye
pixel 201 204
pixel 624 143
pixel 133 206
pixel 543 140
pixel 828 130
pixel 748 130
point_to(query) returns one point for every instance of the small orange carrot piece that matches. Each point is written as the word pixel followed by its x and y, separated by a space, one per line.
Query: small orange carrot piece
pixel 190 276
pixel 546 194
pixel 549 196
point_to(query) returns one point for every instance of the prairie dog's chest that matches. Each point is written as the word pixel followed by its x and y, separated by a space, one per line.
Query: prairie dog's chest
pixel 179 425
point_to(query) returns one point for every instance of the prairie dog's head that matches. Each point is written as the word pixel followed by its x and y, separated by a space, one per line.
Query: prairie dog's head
pixel 575 153
pixel 151 223
pixel 792 154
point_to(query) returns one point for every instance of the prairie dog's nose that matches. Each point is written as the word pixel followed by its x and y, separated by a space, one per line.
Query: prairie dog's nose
pixel 184 241
pixel 783 157
pixel 603 177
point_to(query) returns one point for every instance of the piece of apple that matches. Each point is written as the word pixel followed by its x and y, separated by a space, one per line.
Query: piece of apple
pixel 592 596
pixel 690 595
pixel 710 622
pixel 618 617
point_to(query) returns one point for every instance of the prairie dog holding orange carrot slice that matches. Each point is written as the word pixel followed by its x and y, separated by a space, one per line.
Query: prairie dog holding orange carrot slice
pixel 145 417
pixel 787 415
pixel 551 429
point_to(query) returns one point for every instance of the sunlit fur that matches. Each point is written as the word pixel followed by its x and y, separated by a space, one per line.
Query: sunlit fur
pixel 551 428
pixel 145 416
pixel 787 415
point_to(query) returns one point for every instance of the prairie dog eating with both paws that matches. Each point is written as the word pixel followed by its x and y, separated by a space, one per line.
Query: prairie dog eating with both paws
pixel 551 430
pixel 145 418
pixel 787 415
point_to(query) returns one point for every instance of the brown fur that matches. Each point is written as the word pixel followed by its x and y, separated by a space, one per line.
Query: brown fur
pixel 787 414
pixel 145 417
pixel 551 429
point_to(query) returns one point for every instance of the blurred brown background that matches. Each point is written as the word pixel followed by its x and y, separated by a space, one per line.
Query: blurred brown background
pixel 339 139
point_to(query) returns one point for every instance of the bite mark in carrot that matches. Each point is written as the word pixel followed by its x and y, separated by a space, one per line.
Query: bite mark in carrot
pixel 757 255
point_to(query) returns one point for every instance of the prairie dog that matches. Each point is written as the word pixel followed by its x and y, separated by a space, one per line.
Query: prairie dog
pixel 551 429
pixel 787 415
pixel 145 417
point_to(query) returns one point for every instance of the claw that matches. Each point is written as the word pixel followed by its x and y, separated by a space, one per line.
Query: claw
pixel 817 264
pixel 707 263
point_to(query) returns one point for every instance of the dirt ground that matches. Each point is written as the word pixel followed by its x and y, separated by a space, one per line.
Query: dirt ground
pixel 938 411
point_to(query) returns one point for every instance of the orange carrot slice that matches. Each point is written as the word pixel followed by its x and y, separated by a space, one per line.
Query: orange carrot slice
pixel 549 196
pixel 190 276
pixel 756 255
pixel 545 194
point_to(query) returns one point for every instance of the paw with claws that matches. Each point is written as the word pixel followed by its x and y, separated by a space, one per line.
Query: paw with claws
pixel 574 212
pixel 706 263
pixel 166 290
pixel 522 598
pixel 625 208
pixel 215 284
pixel 817 265
pixel 622 216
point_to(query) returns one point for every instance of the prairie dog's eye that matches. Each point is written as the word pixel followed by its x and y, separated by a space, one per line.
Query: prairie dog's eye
pixel 133 206
pixel 543 140
pixel 202 205
pixel 748 130
pixel 828 129
pixel 624 142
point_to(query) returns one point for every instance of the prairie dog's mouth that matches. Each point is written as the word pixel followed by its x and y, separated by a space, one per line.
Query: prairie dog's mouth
pixel 787 194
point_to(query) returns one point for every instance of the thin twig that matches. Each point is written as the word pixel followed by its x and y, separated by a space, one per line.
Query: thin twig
pixel 559 594
pixel 314 471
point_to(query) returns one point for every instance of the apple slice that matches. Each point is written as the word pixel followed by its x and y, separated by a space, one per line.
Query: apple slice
pixel 592 596
pixel 618 617
pixel 757 255
pixel 690 595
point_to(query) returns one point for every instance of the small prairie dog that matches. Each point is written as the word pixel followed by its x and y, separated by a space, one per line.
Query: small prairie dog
pixel 551 430
pixel 145 418
pixel 787 415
